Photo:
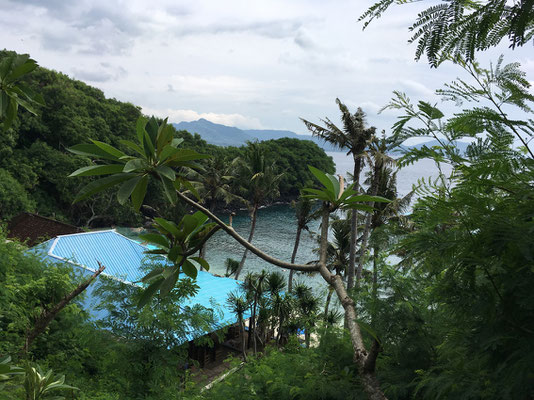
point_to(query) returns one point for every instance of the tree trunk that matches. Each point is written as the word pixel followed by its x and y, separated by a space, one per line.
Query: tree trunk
pixel 375 284
pixel 327 305
pixel 365 362
pixel 354 228
pixel 243 344
pixel 202 253
pixel 293 256
pixel 250 236
pixel 367 228
pixel 48 315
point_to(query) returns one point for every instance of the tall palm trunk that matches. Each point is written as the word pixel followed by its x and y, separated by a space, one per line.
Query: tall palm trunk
pixel 243 344
pixel 250 236
pixel 293 256
pixel 375 284
pixel 367 228
pixel 327 304
pixel 354 227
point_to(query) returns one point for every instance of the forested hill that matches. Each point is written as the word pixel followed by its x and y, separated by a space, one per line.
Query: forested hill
pixel 222 135
pixel 35 163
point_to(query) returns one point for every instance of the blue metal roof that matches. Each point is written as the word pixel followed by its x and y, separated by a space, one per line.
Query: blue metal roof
pixel 125 259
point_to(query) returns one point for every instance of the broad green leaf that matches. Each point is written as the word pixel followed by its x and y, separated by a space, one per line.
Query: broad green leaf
pixel 138 194
pixel 166 172
pixel 140 129
pixel 169 283
pixel 323 178
pixel 174 254
pixel 91 150
pixel 135 165
pixel 169 189
pixel 133 146
pixel 202 262
pixel 149 292
pixel 98 170
pixel 155 273
pixel 101 185
pixel 189 269
pixel 155 238
pixel 188 224
pixel 167 152
pixel 126 189
pixel 168 226
pixel 367 198
pixel 108 148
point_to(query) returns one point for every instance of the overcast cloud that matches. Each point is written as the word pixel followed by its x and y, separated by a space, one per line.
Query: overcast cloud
pixel 260 64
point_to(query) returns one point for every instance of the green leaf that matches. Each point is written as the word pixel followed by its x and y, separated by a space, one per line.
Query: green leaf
pixel 169 283
pixel 189 269
pixel 108 149
pixel 168 226
pixel 174 253
pixel 202 262
pixel 149 292
pixel 133 146
pixel 155 273
pixel 138 194
pixel 323 178
pixel 135 165
pixel 169 189
pixel 91 150
pixel 126 189
pixel 188 223
pixel 155 238
pixel 167 152
pixel 98 170
pixel 166 172
pixel 100 185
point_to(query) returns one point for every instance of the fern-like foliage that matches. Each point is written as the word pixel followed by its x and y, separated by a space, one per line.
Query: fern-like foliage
pixel 462 27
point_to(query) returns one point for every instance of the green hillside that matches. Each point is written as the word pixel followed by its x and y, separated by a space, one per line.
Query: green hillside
pixel 35 163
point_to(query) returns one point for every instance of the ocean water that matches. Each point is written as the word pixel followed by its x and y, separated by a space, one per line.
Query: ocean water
pixel 276 228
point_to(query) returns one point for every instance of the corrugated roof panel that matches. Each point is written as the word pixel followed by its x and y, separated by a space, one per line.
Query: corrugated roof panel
pixel 122 257
pixel 125 259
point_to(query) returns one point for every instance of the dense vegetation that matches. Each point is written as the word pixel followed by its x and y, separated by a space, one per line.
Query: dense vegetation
pixel 449 317
pixel 35 163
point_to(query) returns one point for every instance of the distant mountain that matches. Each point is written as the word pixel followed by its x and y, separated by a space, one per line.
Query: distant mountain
pixel 222 135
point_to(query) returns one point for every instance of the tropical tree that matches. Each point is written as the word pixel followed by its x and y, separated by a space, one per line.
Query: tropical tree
pixel 353 137
pixel 303 211
pixel 13 92
pixel 213 181
pixel 378 156
pixel 259 184
pixel 239 304
pixel 190 233
pixel 456 28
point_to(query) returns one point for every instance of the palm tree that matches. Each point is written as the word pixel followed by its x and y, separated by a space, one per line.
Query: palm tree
pixel 337 254
pixel 254 287
pixel 259 183
pixel 354 137
pixel 231 266
pixel 380 160
pixel 213 184
pixel 303 212
pixel 239 304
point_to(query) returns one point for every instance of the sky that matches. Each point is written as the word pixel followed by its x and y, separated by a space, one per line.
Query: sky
pixel 252 64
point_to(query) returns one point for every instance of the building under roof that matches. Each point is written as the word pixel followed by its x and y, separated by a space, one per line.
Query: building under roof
pixel 125 260
pixel 32 228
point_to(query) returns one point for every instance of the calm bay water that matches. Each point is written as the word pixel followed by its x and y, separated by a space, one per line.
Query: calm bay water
pixel 276 227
